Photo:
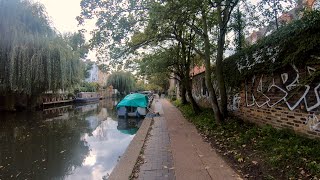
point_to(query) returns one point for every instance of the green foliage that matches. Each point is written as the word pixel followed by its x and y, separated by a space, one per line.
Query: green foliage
pixel 271 9
pixel 87 87
pixel 77 43
pixel 295 43
pixel 238 26
pixel 116 20
pixel 87 67
pixel 280 149
pixel 33 57
pixel 177 103
pixel 124 82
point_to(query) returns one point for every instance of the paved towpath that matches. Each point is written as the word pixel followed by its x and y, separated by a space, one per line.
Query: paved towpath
pixel 157 154
pixel 175 150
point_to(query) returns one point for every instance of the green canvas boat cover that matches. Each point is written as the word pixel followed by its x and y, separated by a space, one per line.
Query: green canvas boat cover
pixel 134 100
pixel 131 131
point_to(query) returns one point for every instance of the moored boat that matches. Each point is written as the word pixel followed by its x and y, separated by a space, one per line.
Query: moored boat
pixel 85 97
pixel 133 105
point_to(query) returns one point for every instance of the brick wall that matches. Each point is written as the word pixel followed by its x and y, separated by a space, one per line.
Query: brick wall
pixel 285 99
pixel 199 92
pixel 280 117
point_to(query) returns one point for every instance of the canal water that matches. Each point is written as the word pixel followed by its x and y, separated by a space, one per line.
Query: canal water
pixel 71 142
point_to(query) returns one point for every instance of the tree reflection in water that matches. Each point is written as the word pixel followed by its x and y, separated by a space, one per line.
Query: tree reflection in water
pixel 60 146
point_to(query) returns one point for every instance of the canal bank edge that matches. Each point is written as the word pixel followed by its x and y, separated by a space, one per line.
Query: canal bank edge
pixel 124 168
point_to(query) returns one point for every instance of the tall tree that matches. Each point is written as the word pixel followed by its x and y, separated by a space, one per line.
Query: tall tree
pixel 158 21
pixel 224 10
pixel 272 9
pixel 33 57
pixel 124 82
pixel 238 26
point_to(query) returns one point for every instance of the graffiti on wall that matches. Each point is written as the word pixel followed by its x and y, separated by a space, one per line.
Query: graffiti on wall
pixel 246 64
pixel 285 88
pixel 313 122
pixel 234 102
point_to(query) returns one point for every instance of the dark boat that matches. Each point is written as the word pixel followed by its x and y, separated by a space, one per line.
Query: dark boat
pixel 86 97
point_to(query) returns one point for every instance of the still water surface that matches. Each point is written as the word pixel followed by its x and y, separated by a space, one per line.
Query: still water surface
pixel 74 142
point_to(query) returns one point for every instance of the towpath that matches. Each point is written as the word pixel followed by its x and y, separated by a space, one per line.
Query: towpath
pixel 174 150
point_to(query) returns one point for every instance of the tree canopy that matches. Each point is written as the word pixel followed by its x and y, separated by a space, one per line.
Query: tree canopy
pixel 34 58
pixel 124 82
pixel 199 28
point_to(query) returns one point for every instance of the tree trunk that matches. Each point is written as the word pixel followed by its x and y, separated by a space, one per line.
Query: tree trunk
pixel 219 64
pixel 219 74
pixel 212 93
pixel 194 104
pixel 183 93
pixel 186 59
pixel 275 13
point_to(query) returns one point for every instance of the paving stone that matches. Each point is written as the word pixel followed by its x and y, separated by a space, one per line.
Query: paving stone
pixel 156 153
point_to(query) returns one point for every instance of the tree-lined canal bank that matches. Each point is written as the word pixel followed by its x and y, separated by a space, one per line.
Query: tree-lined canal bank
pixel 68 143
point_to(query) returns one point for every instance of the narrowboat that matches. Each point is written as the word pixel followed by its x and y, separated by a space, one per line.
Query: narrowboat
pixel 86 97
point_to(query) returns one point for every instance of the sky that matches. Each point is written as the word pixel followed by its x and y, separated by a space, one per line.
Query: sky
pixel 63 15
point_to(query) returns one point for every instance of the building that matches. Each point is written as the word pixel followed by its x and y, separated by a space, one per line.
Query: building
pixel 97 76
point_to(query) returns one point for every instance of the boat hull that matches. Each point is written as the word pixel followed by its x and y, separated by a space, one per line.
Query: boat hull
pixel 138 112
pixel 85 100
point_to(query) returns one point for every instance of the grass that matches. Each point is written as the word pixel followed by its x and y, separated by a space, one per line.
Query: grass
pixel 279 152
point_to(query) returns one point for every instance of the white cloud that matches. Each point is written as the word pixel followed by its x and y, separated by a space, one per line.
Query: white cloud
pixel 63 13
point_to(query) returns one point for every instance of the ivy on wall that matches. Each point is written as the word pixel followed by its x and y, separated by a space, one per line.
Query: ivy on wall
pixel 296 43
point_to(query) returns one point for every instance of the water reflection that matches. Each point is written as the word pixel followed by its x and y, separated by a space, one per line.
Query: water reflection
pixel 82 142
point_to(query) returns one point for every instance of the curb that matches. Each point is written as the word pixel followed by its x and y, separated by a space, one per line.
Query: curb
pixel 125 166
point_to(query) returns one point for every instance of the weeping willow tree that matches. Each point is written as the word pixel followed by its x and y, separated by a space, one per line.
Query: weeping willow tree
pixel 124 82
pixel 33 57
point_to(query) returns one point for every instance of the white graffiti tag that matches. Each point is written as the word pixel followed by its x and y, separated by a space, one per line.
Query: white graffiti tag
pixel 313 122
pixel 288 87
